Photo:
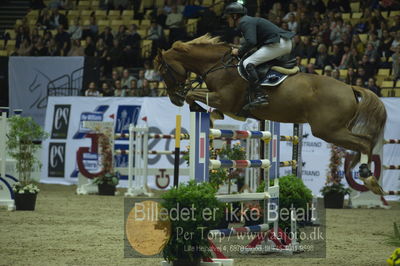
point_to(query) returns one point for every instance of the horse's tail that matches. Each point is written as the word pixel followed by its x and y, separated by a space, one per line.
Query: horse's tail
pixel 370 118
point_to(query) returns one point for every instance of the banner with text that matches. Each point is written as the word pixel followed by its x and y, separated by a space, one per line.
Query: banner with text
pixel 31 77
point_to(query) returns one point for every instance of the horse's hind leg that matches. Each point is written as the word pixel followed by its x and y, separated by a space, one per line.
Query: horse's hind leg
pixel 343 137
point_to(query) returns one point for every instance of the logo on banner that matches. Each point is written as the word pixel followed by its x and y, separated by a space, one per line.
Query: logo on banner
pixel 56 165
pixel 96 116
pixel 87 157
pixel 60 121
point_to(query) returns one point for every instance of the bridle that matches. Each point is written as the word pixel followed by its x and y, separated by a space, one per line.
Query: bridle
pixel 187 84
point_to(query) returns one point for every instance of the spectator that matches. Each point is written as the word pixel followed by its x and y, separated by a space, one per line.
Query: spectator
pixel 131 51
pixel 301 67
pixel 336 32
pixel 336 74
pixel 121 4
pixel 160 17
pixel 115 76
pixel 336 56
pixel 351 77
pixel 345 60
pixel 360 82
pixel 396 27
pixel 396 64
pixel 121 34
pixel 328 71
pixel 20 36
pixel 93 28
pixel 150 74
pixel 156 34
pixel 373 38
pixel 368 66
pixel 34 36
pixel 90 48
pixel 75 30
pixel 58 20
pixel 292 24
pixel 174 22
pixel 299 48
pixel 311 69
pixel 387 40
pixel 106 90
pixel 362 75
pixel 44 19
pixel 25 48
pixel 107 36
pixel 357 43
pixel 141 79
pixel 373 87
pixel 76 49
pixel 126 79
pixel 133 89
pixel 53 48
pixel 304 24
pixel 47 37
pixel 39 49
pixel 63 40
pixel 396 42
pixel 372 53
pixel 115 55
pixel 354 58
pixel 101 52
pixel 292 11
pixel 92 90
pixel 322 58
pixel 310 49
pixel 118 90
pixel 148 89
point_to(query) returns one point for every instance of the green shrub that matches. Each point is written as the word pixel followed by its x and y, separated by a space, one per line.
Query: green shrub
pixel 200 196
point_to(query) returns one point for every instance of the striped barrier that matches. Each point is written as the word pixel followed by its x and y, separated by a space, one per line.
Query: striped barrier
pixel 239 134
pixel 6 179
pixel 360 196
pixel 119 151
pixel 216 164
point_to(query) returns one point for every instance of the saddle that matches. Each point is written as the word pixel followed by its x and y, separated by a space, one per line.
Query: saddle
pixel 273 72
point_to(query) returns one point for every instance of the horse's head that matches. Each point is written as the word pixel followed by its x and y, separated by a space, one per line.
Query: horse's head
pixel 174 75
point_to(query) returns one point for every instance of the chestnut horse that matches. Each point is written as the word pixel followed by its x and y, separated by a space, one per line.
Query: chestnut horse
pixel 347 116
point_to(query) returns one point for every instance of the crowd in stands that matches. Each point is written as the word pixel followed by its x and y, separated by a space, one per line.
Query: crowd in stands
pixel 326 41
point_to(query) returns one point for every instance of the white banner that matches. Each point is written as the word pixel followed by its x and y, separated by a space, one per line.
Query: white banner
pixel 65 116
pixel 31 77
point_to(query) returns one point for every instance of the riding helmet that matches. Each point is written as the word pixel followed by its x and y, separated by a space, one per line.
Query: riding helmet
pixel 235 8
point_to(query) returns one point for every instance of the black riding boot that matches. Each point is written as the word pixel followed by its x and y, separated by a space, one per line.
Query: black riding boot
pixel 259 96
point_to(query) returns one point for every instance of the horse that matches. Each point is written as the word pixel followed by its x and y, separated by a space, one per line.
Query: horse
pixel 347 116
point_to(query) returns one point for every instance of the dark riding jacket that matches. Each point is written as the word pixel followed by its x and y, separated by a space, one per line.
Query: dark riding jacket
pixel 259 31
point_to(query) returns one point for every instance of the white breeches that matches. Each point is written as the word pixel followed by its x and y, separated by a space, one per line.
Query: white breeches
pixel 269 52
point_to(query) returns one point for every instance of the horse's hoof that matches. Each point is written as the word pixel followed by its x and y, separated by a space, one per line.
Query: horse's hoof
pixel 364 171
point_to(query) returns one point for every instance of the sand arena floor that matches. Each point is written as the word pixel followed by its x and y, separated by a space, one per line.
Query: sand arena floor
pixel 67 229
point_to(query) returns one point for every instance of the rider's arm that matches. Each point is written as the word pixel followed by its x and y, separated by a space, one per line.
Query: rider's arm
pixel 249 30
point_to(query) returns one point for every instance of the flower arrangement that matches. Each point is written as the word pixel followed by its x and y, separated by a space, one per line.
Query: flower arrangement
pixel 333 180
pixel 31 188
pixel 221 176
pixel 109 177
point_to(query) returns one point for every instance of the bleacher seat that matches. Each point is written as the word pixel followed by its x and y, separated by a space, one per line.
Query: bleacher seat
pixel 394 13
pixel 312 60
pixel 384 72
pixel 83 5
pixel 318 71
pixel 355 7
pixel 3 53
pixel 363 37
pixel 128 14
pixel 356 15
pixel 343 72
pixel 387 84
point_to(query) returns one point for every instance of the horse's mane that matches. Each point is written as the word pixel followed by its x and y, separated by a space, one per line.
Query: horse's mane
pixel 180 46
pixel 206 39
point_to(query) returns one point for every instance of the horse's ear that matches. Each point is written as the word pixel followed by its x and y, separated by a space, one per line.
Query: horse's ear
pixel 180 46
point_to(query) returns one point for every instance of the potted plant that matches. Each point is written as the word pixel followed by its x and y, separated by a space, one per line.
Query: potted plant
pixel 108 180
pixel 22 144
pixel 196 196
pixel 334 191
pixel 292 193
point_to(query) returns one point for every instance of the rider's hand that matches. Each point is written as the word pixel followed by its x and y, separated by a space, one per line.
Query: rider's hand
pixel 235 52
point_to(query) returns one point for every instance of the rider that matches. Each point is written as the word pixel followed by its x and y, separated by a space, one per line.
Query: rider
pixel 270 40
